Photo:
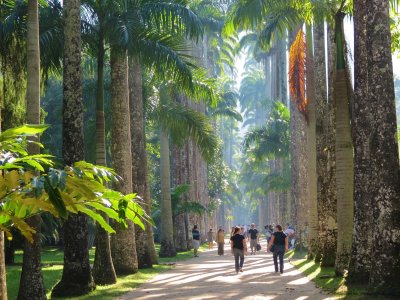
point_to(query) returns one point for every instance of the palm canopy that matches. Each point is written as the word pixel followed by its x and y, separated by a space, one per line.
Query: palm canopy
pixel 13 29
pixel 183 122
pixel 154 31
pixel 272 140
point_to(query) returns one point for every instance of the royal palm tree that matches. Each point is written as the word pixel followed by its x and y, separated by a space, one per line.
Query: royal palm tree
pixel 376 144
pixel 122 28
pixel 76 278
pixel 31 282
pixel 177 123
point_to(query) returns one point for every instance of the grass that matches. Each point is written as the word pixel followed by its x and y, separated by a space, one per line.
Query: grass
pixel 52 260
pixel 326 279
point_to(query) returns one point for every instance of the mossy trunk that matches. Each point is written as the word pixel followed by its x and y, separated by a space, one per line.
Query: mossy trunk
pixel 31 285
pixel 361 256
pixel 77 277
pixel 384 152
pixel 123 246
pixel 145 248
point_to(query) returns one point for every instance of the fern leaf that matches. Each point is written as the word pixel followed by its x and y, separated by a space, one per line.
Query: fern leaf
pixel 297 72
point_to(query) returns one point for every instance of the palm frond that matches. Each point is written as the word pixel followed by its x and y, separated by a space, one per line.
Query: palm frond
pixel 297 71
pixel 183 123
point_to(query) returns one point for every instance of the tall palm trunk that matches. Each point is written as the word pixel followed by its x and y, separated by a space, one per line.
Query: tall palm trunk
pixel 299 192
pixel 145 248
pixel 360 262
pixel 311 149
pixel 167 235
pixel 103 267
pixel 384 153
pixel 344 155
pixel 77 277
pixel 123 246
pixel 326 198
pixel 31 283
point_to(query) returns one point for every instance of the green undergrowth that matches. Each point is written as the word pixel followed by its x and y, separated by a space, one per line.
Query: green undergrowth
pixel 326 279
pixel 52 260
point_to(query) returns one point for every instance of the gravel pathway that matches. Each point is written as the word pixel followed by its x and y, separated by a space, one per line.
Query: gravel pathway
pixel 213 277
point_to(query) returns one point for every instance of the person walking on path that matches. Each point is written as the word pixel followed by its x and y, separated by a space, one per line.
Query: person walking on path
pixel 268 232
pixel 238 249
pixel 210 239
pixel 196 240
pixel 253 236
pixel 290 234
pixel 221 241
pixel 278 245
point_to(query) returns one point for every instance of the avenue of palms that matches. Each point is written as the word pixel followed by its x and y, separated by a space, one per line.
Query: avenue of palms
pixel 145 118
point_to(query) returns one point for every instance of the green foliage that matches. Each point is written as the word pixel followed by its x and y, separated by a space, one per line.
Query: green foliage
pixel 30 185
pixel 273 140
pixel 183 123
pixel 265 144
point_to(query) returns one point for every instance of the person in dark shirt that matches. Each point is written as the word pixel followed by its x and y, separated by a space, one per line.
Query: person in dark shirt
pixel 238 249
pixel 253 236
pixel 279 243
pixel 196 240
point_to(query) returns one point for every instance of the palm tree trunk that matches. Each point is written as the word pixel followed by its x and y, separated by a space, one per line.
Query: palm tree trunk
pixel 311 149
pixel 145 248
pixel 344 155
pixel 299 192
pixel 167 232
pixel 123 246
pixel 31 282
pixel 103 268
pixel 77 277
pixel 326 198
pixel 360 262
pixel 384 186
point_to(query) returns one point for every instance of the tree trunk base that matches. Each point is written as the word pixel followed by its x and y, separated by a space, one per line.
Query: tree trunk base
pixel 167 249
pixel 67 289
pixel 31 282
pixel 103 268
pixel 357 278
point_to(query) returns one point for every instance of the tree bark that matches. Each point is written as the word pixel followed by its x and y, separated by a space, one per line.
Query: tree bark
pixel 77 277
pixel 145 248
pixel 326 197
pixel 299 192
pixel 167 235
pixel 384 153
pixel 103 267
pixel 123 246
pixel 361 255
pixel 344 155
pixel 31 285
pixel 311 149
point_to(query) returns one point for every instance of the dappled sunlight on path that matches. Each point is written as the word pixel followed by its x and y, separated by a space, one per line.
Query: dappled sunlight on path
pixel 213 277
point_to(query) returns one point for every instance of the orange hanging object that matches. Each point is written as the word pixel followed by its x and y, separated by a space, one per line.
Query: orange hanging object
pixel 297 72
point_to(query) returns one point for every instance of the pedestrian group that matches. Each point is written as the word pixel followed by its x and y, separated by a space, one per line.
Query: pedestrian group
pixel 279 242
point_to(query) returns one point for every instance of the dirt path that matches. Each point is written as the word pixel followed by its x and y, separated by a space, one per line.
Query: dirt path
pixel 213 277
